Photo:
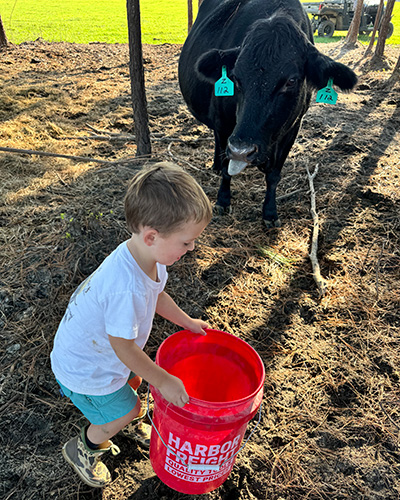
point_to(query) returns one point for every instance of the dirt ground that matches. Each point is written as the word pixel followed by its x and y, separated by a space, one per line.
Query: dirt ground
pixel 330 423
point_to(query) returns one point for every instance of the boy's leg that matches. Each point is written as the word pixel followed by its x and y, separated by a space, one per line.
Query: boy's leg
pixel 86 461
pixel 84 451
pixel 100 434
pixel 128 424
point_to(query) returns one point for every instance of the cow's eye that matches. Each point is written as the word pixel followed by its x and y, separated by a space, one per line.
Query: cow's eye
pixel 290 84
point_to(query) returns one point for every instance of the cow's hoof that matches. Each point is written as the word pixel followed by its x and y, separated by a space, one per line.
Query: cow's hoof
pixel 270 224
pixel 219 210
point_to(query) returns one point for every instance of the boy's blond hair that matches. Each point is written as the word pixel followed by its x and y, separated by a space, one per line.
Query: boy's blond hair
pixel 164 197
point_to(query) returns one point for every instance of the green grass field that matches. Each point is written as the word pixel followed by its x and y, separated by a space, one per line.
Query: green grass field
pixel 84 21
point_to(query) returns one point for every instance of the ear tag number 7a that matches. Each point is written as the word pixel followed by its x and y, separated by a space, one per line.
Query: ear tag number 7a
pixel 224 87
pixel 327 94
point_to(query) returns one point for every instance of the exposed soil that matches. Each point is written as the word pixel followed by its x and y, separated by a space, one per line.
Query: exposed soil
pixel 331 420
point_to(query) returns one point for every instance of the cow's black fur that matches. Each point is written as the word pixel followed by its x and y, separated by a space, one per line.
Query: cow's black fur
pixel 268 49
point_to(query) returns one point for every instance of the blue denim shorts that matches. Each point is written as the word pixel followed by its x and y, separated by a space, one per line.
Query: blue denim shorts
pixel 100 410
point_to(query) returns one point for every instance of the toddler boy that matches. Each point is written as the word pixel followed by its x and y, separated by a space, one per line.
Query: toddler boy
pixel 98 347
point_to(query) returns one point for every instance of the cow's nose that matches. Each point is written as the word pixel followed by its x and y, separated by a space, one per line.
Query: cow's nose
pixel 244 152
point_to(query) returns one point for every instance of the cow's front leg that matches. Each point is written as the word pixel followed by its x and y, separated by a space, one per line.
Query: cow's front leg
pixel 270 213
pixel 223 205
pixel 273 176
pixel 219 152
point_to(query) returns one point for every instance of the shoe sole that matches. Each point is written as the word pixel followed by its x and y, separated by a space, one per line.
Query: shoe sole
pixel 84 479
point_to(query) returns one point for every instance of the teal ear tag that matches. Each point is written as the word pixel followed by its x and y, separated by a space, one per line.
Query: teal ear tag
pixel 327 94
pixel 224 87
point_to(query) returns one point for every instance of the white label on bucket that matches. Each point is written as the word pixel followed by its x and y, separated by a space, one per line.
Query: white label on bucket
pixel 203 467
pixel 189 453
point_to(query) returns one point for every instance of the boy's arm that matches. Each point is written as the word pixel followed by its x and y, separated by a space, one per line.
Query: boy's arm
pixel 171 387
pixel 168 309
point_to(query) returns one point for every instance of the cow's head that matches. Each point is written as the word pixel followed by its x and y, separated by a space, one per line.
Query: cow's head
pixel 274 71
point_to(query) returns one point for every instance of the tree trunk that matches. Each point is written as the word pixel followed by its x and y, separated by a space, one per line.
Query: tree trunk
pixel 376 24
pixel 190 15
pixel 351 39
pixel 383 31
pixel 3 37
pixel 138 93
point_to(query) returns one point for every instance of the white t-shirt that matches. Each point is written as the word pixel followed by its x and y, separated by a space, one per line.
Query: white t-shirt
pixel 118 299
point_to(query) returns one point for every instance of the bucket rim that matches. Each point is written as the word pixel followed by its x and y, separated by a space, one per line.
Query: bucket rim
pixel 222 404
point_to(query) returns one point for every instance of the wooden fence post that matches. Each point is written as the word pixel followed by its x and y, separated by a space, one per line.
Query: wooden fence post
pixel 190 15
pixel 138 93
pixel 3 37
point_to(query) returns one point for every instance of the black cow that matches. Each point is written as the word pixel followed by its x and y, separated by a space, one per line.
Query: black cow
pixel 268 50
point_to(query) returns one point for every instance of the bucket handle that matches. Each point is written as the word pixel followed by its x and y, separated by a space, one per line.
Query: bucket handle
pixel 202 467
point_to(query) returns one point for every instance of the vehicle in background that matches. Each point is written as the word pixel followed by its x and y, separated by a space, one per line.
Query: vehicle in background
pixel 329 16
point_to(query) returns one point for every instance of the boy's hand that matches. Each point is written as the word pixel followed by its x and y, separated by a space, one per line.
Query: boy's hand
pixel 197 326
pixel 173 390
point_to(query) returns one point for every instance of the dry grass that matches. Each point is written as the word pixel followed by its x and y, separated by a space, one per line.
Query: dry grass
pixel 330 424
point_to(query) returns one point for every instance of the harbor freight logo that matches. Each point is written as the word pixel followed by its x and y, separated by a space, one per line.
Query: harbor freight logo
pixel 217 456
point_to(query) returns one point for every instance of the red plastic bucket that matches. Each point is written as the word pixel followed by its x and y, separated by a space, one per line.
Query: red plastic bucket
pixel 193 449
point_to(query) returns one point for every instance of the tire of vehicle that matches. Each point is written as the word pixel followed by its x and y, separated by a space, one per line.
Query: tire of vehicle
pixel 313 25
pixel 390 31
pixel 326 29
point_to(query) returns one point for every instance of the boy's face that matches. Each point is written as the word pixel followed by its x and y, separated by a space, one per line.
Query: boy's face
pixel 169 249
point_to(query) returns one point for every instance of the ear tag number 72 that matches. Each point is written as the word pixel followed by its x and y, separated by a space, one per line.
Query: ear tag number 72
pixel 327 94
pixel 224 87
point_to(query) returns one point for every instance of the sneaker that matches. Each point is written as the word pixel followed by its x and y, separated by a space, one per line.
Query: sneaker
pixel 86 462
pixel 138 431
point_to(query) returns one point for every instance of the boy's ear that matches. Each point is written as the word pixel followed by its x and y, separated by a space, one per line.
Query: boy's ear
pixel 149 236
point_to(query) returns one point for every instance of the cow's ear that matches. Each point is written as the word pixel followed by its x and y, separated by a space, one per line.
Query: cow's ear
pixel 209 65
pixel 320 68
